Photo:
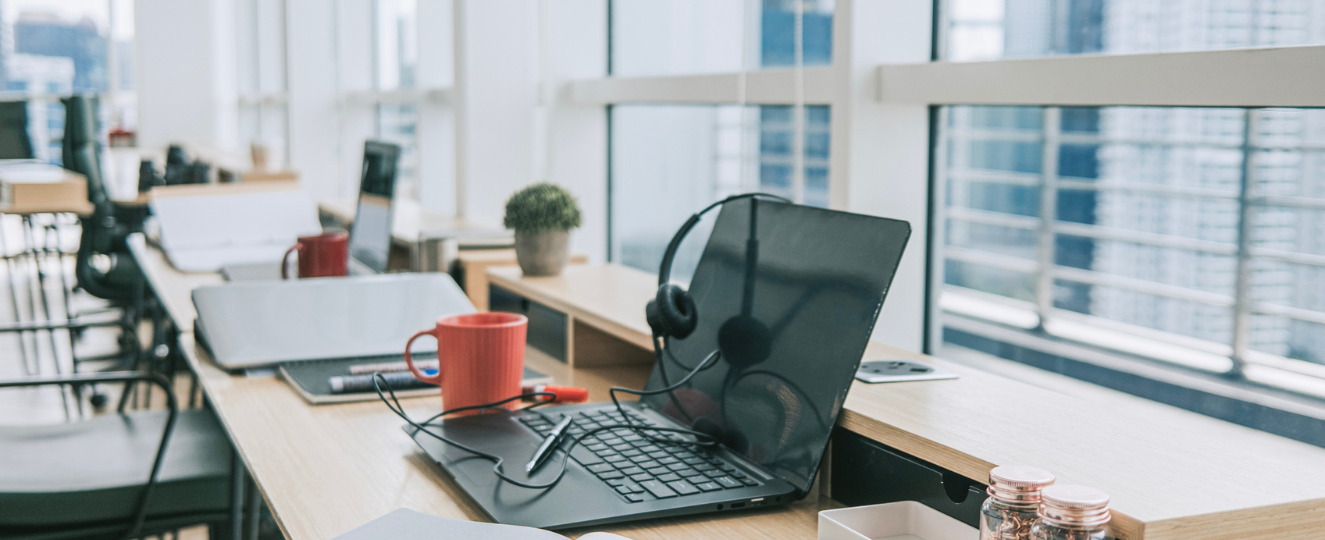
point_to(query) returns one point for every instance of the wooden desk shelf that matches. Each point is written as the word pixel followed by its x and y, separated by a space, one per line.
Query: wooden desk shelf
pixel 602 309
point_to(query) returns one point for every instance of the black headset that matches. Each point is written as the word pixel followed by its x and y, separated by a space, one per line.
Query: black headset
pixel 672 313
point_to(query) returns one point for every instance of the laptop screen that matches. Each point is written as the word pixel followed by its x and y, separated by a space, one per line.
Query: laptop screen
pixel 790 295
pixel 370 235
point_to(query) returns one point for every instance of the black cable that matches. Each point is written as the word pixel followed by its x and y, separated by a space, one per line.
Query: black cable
pixel 393 403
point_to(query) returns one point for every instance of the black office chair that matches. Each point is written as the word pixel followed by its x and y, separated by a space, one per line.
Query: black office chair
pixel 116 476
pixel 14 140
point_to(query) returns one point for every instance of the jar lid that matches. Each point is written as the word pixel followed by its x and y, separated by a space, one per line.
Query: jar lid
pixel 1018 483
pixel 1076 506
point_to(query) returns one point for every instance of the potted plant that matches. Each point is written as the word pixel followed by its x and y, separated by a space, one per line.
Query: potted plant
pixel 542 216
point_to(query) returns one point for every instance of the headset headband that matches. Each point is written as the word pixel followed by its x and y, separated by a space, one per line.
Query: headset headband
pixel 665 270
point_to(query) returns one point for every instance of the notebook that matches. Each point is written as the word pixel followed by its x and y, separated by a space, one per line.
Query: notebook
pixel 312 379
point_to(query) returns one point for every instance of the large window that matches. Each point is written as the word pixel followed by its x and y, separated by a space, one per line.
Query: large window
pixel 260 75
pixel 988 29
pixel 669 161
pixel 395 41
pixel 1188 236
pixel 56 48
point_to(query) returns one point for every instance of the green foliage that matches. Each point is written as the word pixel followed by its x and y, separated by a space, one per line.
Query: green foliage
pixel 541 208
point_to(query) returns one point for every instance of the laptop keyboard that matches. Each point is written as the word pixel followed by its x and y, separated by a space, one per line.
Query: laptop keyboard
pixel 639 469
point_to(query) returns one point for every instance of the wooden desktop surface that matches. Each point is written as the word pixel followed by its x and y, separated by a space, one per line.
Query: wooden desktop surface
pixel 326 469
pixel 1172 474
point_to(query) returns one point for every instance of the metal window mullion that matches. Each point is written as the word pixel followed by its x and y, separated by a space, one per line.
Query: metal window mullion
pixel 986 217
pixel 1242 301
pixel 1305 259
pixel 959 158
pixel 1297 313
pixel 1145 238
pixel 1044 278
pixel 938 230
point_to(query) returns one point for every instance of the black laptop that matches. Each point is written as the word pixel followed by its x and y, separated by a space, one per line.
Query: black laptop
pixel 815 278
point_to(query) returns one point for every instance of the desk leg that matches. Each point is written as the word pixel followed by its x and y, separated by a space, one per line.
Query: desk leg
pixel 253 510
pixel 238 480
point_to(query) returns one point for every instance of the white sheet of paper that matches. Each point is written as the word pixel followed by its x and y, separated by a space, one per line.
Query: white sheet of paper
pixel 205 232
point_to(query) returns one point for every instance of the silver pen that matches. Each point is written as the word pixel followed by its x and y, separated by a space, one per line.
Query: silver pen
pixel 550 443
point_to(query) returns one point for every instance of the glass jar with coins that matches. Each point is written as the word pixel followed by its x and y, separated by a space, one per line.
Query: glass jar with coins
pixel 1014 499
pixel 1072 513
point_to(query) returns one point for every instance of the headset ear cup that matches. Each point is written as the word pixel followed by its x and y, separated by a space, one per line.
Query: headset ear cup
pixel 677 311
pixel 655 319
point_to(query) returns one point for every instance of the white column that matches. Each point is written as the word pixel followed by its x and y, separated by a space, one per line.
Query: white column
pixel 494 96
pixel 574 144
pixel 880 153
pixel 436 135
pixel 312 100
pixel 186 72
pixel 354 56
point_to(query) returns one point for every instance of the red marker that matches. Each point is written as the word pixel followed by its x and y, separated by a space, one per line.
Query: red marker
pixel 561 394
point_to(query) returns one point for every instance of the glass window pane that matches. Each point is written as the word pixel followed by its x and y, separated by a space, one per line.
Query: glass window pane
pixel 398 123
pixel 989 279
pixel 702 36
pixel 986 29
pixel 1289 338
pixel 58 47
pixel 270 35
pixel 397 43
pixel 1147 219
pixel 669 161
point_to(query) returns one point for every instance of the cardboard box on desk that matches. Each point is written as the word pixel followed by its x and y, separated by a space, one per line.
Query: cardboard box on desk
pixel 43 190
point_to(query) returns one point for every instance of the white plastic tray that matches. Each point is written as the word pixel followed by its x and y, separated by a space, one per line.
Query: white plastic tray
pixel 893 521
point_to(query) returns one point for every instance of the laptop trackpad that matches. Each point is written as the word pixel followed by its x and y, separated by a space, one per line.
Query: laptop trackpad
pixel 479 470
pixel 496 434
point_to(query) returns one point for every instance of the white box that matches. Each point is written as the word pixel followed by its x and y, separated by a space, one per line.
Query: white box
pixel 893 521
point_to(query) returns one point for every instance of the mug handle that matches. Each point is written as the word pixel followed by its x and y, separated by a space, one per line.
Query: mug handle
pixel 285 259
pixel 409 361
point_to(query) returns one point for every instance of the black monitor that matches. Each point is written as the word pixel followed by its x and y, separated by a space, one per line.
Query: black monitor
pixel 370 235
pixel 790 295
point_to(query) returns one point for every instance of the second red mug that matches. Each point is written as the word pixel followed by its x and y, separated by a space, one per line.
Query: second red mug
pixel 480 358
pixel 322 255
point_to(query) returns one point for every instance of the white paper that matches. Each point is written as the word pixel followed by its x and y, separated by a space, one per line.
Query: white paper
pixel 202 233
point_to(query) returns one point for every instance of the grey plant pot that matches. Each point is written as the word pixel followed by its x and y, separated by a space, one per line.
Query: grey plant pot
pixel 544 253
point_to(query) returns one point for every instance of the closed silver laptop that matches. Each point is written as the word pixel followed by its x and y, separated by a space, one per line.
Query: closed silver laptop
pixel 264 323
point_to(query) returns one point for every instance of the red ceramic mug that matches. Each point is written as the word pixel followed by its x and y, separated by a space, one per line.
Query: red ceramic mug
pixel 323 255
pixel 480 358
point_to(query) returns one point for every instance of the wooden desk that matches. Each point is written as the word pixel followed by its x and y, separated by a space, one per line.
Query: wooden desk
pixel 327 469
pixel 1172 474
pixel 474 265
pixel 604 308
pixel 38 188
pixel 412 222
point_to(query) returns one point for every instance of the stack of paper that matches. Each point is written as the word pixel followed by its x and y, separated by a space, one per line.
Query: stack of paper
pixel 201 233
